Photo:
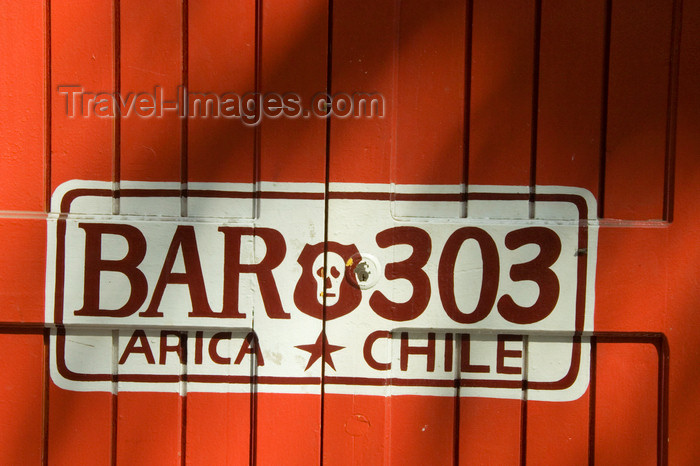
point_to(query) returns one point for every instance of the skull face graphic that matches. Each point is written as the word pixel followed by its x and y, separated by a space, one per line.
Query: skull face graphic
pixel 328 282
pixel 315 282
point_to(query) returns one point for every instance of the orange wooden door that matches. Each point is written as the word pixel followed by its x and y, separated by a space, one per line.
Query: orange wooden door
pixel 524 94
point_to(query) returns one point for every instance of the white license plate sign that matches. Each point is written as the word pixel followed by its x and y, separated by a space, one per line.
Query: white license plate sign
pixel 418 290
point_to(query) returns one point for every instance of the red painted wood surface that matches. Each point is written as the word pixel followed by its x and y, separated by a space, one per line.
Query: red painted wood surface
pixel 588 94
pixel 220 150
pixel 81 148
pixel 22 84
pixel 502 78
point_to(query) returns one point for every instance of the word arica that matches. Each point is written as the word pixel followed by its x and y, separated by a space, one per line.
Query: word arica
pixel 417 289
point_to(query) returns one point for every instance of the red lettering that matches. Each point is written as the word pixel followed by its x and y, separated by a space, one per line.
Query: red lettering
pixel 198 343
pixel 139 336
pixel 537 270
pixel 502 353
pixel 407 350
pixel 250 346
pixel 367 350
pixel 184 239
pixel 410 269
pixel 179 347
pixel 449 350
pixel 276 249
pixel 128 266
pixel 213 354
pixel 489 280
pixel 466 365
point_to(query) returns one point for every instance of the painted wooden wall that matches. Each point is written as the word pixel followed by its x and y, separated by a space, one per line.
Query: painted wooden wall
pixel 598 94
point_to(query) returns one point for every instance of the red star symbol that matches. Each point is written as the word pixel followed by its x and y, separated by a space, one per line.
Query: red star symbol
pixel 321 347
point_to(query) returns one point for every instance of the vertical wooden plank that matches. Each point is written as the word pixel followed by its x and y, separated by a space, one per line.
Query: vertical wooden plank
pixel 82 38
pixel 21 432
pixel 21 108
pixel 639 303
pixel 293 58
pixel 500 144
pixel 682 278
pixel 22 269
pixel 221 149
pixel 364 39
pixel 80 427
pixel 221 60
pixel 422 430
pixel 558 432
pixel 151 57
pixel 430 93
pixel 568 153
pixel 149 428
pixel 570 96
pixel 82 61
pixel 489 431
pixel 294 51
pixel 355 429
pixel 626 404
pixel 22 164
pixel 355 426
pixel 501 94
pixel 288 429
pixel 430 100
pixel 637 109
pixel 218 428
